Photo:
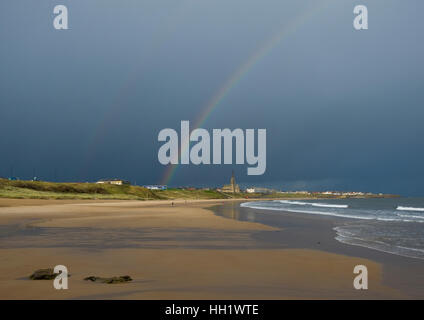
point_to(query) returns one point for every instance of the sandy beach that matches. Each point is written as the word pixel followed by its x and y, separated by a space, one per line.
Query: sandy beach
pixel 172 250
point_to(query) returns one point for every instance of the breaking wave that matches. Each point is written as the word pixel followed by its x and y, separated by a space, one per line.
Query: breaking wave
pixel 409 209
pixel 315 204
pixel 389 225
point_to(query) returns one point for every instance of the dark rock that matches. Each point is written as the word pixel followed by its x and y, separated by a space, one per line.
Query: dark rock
pixel 110 280
pixel 91 278
pixel 43 274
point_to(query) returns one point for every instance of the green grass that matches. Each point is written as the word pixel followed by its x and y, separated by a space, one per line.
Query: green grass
pixel 49 190
pixel 191 194
pixel 21 189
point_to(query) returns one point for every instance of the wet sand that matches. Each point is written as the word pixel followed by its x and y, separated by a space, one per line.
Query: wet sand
pixel 184 251
pixel 315 232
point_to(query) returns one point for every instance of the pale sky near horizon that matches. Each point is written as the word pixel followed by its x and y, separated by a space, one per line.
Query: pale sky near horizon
pixel 343 108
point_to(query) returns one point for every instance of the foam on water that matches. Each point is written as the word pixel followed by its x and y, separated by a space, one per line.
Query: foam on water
pixel 409 209
pixel 254 205
pixel 325 205
pixel 314 204
pixel 347 236
pixel 337 210
pixel 380 224
pixel 293 202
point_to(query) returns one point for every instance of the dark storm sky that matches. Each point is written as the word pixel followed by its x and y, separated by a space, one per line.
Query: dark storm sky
pixel 343 109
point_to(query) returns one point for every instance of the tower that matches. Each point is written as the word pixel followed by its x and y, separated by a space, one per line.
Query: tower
pixel 232 187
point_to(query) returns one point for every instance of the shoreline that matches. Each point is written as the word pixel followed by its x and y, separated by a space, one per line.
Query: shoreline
pixel 185 251
pixel 300 230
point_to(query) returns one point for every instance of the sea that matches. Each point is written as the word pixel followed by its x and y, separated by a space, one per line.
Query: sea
pixel 393 225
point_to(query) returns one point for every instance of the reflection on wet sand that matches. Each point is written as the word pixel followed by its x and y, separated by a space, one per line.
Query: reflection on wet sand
pixel 232 211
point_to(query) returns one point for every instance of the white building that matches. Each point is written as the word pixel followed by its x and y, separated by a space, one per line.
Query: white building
pixel 156 187
pixel 118 182
pixel 259 190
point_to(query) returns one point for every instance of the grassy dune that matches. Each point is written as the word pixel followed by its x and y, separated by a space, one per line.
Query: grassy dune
pixel 49 190
pixel 194 194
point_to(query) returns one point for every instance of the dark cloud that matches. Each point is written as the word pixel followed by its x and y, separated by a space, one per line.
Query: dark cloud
pixel 343 108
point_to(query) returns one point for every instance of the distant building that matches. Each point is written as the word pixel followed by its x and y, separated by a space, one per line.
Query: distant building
pixel 232 187
pixel 118 182
pixel 156 187
pixel 259 190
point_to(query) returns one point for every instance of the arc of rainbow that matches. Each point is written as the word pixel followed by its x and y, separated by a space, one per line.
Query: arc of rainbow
pixel 163 35
pixel 241 72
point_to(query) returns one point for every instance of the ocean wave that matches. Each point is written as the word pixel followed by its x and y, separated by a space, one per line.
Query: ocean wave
pixel 412 249
pixel 315 204
pixel 400 208
pixel 326 205
pixel 376 225
pixel 350 238
pixel 410 216
pixel 293 202
pixel 252 205
pixel 390 216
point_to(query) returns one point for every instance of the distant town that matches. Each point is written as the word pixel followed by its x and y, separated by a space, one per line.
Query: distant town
pixel 234 188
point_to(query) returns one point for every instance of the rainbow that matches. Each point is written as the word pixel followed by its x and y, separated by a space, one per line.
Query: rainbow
pixel 161 36
pixel 242 71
